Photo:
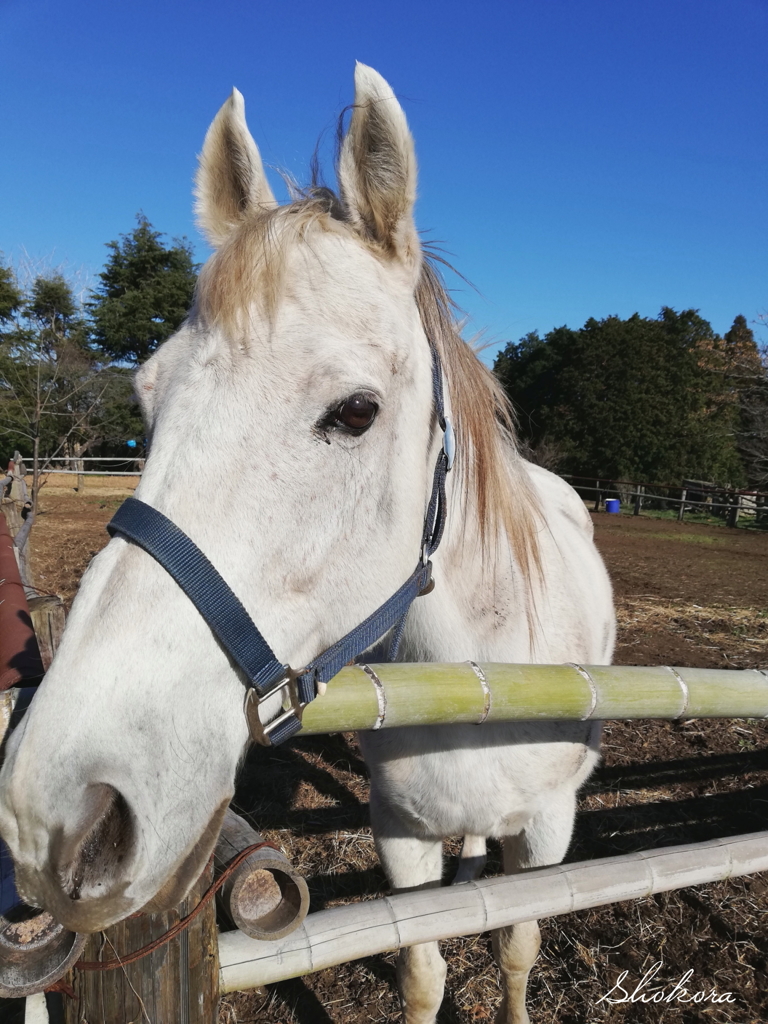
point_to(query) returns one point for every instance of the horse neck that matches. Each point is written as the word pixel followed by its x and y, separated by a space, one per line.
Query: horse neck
pixel 478 610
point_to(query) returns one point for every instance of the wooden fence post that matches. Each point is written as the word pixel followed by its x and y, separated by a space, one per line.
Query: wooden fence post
pixel 599 496
pixel 638 499
pixel 178 983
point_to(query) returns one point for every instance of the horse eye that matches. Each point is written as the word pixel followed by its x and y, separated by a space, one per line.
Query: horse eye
pixel 357 413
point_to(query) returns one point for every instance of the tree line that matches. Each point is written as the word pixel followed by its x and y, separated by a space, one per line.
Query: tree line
pixel 66 365
pixel 656 400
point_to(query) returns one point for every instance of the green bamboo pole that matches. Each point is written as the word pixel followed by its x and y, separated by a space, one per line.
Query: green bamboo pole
pixel 385 696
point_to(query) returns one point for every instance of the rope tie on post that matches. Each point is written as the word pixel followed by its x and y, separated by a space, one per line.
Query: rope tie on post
pixel 180 926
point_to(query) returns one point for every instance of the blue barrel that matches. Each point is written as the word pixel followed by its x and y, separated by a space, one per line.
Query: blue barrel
pixel 612 505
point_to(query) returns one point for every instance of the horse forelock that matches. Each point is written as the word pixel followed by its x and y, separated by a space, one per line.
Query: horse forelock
pixel 249 269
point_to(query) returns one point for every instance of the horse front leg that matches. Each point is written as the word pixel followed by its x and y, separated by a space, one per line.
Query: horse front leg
pixel 543 841
pixel 412 862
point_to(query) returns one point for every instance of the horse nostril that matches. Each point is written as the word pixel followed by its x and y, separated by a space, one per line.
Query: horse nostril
pixel 92 857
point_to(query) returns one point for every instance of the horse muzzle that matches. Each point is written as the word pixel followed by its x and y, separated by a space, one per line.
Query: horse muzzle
pixel 95 872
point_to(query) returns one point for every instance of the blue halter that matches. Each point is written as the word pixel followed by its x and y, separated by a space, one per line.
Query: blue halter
pixel 236 631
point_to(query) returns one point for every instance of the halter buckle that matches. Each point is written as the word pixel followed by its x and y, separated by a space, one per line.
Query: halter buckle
pixel 293 707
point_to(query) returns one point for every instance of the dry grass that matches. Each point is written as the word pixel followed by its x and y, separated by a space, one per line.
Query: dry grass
pixel 69 531
pixel 736 634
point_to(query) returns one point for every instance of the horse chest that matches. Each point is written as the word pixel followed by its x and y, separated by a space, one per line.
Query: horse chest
pixel 453 780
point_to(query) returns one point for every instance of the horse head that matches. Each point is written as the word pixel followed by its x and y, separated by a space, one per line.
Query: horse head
pixel 292 438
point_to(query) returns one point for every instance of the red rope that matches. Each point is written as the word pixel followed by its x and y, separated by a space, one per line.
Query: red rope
pixel 180 926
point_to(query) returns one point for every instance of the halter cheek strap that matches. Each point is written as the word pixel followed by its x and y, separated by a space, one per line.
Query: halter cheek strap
pixel 239 635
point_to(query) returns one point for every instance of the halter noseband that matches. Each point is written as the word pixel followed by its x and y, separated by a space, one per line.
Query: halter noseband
pixel 236 631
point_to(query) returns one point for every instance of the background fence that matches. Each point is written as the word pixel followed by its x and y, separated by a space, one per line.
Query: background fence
pixel 692 497
pixel 735 507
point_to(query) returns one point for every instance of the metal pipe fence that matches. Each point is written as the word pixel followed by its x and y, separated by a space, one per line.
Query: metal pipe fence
pixel 91 472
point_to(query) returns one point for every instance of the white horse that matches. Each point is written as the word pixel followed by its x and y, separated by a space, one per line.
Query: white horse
pixel 304 371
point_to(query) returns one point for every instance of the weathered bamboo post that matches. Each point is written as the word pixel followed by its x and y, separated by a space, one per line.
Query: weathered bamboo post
pixel 18 470
pixel 733 511
pixel 12 515
pixel 48 619
pixel 177 983
pixel 265 897
pixel 681 513
pixel 35 950
pixel 14 495
pixel 19 514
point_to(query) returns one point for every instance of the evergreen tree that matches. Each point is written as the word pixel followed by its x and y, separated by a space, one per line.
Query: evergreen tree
pixel 741 338
pixel 145 293
pixel 45 363
pixel 746 367
pixel 637 398
pixel 10 296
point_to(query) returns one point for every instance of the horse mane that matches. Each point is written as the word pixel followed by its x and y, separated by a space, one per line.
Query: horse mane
pixel 489 465
pixel 488 461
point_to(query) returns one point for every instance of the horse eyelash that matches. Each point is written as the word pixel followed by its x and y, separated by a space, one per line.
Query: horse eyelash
pixel 328 421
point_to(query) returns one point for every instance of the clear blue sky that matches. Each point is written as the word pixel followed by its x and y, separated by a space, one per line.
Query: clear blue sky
pixel 577 157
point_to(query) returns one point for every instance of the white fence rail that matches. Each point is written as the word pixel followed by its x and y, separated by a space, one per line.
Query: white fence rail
pixel 331 937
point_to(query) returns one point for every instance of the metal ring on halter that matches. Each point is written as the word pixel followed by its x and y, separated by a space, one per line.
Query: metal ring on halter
pixel 292 705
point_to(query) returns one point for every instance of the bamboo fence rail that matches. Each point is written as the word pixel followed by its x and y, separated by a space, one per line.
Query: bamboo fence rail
pixel 389 695
pixel 431 693
pixel 400 694
pixel 331 937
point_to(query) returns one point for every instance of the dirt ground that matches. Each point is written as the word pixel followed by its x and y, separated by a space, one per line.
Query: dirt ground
pixel 686 595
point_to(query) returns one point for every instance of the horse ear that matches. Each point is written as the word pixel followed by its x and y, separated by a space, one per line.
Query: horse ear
pixel 377 168
pixel 230 180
